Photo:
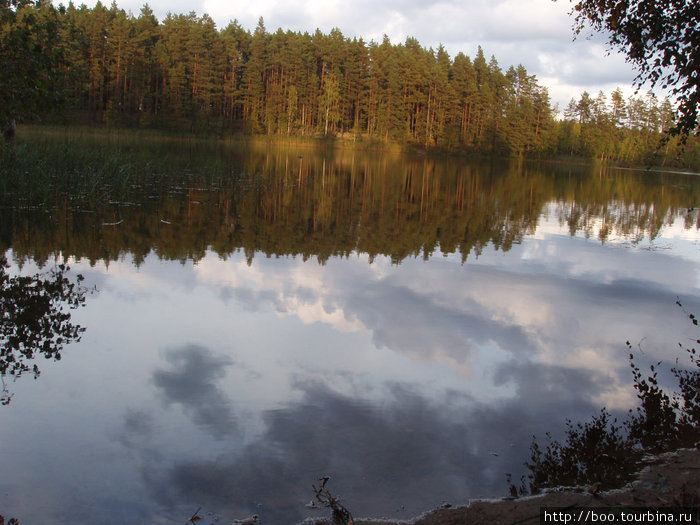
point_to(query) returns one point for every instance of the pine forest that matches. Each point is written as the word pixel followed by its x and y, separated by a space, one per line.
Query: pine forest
pixel 110 67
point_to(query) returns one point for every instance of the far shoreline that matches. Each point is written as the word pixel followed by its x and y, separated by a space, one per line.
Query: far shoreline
pixel 321 143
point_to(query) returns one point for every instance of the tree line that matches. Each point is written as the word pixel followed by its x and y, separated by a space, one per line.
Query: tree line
pixel 637 129
pixel 185 74
pixel 111 67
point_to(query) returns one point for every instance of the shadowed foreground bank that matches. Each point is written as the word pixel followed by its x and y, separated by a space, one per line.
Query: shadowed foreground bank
pixel 670 480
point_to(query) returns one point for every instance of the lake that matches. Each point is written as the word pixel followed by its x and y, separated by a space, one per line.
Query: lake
pixel 258 316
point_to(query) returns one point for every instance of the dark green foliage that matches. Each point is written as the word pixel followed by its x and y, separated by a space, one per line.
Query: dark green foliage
pixel 661 39
pixel 689 396
pixel 30 58
pixel 594 451
pixel 632 131
pixel 183 74
pixel 34 318
pixel 603 451
pixel 654 424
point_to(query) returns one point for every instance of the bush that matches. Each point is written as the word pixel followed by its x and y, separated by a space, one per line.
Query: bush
pixel 605 452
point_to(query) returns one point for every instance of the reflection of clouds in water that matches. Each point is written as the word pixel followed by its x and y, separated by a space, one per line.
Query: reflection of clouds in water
pixel 405 451
pixel 538 384
pixel 138 428
pixel 291 290
pixel 418 323
pixel 539 307
pixel 530 306
pixel 383 453
pixel 586 322
pixel 401 315
pixel 190 382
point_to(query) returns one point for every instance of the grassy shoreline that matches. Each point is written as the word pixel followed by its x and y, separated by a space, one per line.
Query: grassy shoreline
pixel 348 142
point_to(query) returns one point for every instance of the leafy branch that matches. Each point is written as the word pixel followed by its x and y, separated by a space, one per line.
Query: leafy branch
pixel 35 318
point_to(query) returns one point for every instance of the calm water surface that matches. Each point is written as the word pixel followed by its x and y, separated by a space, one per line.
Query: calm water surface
pixel 401 325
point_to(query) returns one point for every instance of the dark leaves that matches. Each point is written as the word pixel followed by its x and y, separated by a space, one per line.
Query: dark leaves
pixel 660 422
pixel 660 38
pixel 33 318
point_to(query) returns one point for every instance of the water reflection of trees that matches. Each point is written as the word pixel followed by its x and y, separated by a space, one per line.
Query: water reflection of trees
pixel 279 203
pixel 35 319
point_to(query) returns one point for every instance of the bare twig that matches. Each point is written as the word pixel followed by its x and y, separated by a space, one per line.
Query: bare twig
pixel 339 514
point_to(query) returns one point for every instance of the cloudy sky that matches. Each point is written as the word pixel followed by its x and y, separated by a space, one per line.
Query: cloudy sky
pixel 535 33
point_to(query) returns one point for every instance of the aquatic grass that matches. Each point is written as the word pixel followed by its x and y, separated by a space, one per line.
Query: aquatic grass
pixel 94 168
pixel 40 174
